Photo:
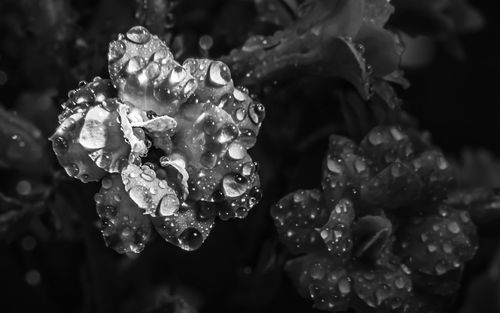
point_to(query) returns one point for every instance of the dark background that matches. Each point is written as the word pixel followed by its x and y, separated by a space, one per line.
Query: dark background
pixel 58 262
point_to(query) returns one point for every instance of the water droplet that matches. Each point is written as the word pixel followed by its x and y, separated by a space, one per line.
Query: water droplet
pixel 397 170
pixel 453 227
pixel 240 114
pixel 208 159
pixel 317 271
pixel 256 112
pixel 60 146
pixel 236 151
pixel 116 50
pixel 23 188
pixel 72 170
pixel 176 75
pixel 226 100
pixel 440 269
pixel 238 95
pixel 227 133
pixel 33 277
pixel 189 88
pixel 83 96
pixel 344 286
pixel 169 205
pixel 248 169
pixel 248 137
pixel 205 42
pixel 234 185
pixel 442 163
pixel 360 165
pixel 219 73
pixel 400 282
pixel 447 248
pixel 191 239
pixel 334 165
pixel 397 134
pixel 209 126
pixel 162 56
pixel 254 196
pixel 107 211
pixel 141 196
pixel 153 70
pixel 134 65
pixel 106 183
pixel 431 248
pixel 138 34
pixel 376 138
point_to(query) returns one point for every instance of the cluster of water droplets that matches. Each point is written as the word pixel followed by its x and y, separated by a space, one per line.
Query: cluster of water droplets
pixel 380 217
pixel 176 134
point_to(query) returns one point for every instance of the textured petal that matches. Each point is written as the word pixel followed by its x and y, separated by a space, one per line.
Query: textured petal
pixel 323 280
pixel 151 194
pixel 186 228
pixel 70 153
pixel 344 169
pixel 336 233
pixel 297 216
pixel 385 288
pixel 123 225
pixel 438 243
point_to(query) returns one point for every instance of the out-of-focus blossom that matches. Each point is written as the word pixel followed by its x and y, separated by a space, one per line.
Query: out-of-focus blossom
pixel 344 39
pixel 378 235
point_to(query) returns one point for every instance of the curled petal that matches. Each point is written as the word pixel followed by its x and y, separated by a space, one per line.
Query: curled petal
pixel 123 225
pixel 102 137
pixel 71 154
pixel 135 138
pixel 372 236
pixel 147 191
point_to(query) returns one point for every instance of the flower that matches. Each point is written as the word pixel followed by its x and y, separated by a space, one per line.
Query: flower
pixel 379 234
pixel 167 141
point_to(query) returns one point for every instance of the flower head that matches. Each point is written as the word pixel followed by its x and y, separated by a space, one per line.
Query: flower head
pixel 168 142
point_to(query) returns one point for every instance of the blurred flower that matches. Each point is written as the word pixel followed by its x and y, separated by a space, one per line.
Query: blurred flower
pixel 378 235
pixel 343 39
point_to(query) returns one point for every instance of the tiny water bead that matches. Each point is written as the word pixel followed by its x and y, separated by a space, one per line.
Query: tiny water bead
pixel 168 141
pixel 191 239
